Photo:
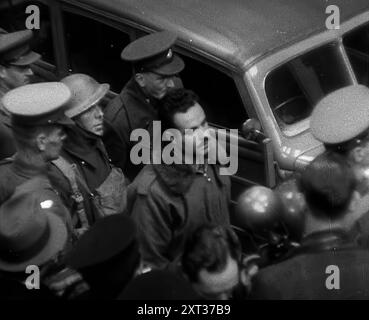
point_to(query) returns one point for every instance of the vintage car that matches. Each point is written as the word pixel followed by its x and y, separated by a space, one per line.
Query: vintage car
pixel 268 61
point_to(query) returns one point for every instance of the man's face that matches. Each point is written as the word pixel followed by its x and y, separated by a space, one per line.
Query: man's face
pixel 195 120
pixel 53 143
pixel 219 285
pixel 92 120
pixel 363 154
pixel 156 85
pixel 16 76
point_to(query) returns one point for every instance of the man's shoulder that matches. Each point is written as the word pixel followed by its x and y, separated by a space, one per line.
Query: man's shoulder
pixel 6 168
pixel 114 109
pixel 146 181
pixel 311 264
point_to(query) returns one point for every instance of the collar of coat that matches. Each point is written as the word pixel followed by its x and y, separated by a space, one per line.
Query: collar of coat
pixel 178 178
pixel 83 145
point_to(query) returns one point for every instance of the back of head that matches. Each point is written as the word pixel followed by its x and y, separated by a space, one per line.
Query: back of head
pixel 159 285
pixel 328 184
pixel 107 255
pixel 209 248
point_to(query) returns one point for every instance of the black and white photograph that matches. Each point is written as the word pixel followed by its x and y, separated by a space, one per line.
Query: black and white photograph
pixel 173 154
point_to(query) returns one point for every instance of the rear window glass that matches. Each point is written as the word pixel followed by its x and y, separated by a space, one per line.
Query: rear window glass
pixel 357 48
pixel 94 48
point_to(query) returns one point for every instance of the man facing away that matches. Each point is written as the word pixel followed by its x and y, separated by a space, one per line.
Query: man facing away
pixel 328 264
pixel 341 121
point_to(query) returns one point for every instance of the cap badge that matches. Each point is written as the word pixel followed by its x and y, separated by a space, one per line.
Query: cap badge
pixel 47 204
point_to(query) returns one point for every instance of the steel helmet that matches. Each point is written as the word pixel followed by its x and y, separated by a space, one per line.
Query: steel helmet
pixel 258 208
pixel 294 207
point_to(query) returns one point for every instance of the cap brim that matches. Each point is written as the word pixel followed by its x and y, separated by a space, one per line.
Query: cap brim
pixel 85 105
pixel 26 59
pixel 172 68
pixel 57 241
pixel 64 121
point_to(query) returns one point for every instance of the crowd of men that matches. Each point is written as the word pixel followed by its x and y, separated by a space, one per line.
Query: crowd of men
pixel 100 226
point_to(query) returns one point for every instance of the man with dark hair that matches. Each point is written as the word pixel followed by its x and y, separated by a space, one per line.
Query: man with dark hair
pixel 155 70
pixel 212 261
pixel 328 184
pixel 168 201
pixel 177 101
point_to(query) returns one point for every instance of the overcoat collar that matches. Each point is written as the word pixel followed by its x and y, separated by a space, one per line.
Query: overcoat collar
pixel 178 178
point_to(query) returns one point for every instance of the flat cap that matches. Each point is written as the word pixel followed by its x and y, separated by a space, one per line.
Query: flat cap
pixel 154 53
pixel 15 50
pixel 341 116
pixel 38 104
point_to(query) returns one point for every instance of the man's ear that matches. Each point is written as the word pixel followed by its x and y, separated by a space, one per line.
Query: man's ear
pixel 358 154
pixel 41 141
pixel 2 72
pixel 357 208
pixel 355 201
pixel 140 79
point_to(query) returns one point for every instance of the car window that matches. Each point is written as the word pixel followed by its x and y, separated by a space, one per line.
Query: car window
pixel 13 18
pixel 294 88
pixel 357 48
pixel 217 91
pixel 94 48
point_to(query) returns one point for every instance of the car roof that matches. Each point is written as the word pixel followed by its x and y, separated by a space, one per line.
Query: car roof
pixel 236 31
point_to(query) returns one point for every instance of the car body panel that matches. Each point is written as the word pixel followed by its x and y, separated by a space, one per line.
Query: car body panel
pixel 236 31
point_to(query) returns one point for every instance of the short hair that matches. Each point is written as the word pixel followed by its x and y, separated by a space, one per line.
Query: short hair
pixel 346 147
pixel 209 248
pixel 25 136
pixel 328 183
pixel 176 100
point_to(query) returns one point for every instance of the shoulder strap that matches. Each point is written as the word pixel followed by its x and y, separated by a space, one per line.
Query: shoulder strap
pixel 7 160
pixel 69 171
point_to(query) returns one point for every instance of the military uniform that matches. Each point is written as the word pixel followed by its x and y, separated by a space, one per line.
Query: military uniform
pixel 101 185
pixel 107 256
pixel 26 108
pixel 169 202
pixel 132 109
pixel 341 121
pixel 33 233
pixel 14 50
pixel 304 274
pixel 341 117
